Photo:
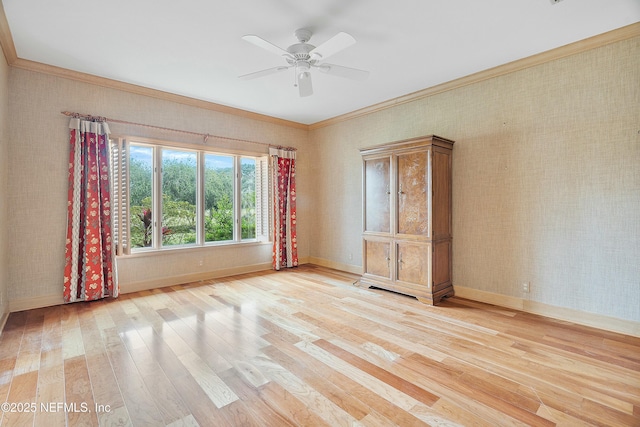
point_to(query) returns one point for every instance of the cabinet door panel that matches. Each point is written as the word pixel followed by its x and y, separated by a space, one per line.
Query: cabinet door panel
pixel 413 263
pixel 441 194
pixel 377 258
pixel 413 215
pixel 442 262
pixel 377 200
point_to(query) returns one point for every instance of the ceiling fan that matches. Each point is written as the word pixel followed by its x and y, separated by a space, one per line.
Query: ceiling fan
pixel 303 56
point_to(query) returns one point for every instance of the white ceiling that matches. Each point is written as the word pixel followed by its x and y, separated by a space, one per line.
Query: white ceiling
pixel 194 47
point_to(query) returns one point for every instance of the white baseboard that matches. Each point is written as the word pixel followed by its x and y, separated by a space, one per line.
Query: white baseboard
pixel 126 288
pixel 51 300
pixel 612 324
pixel 35 302
pixel 607 323
pixel 626 327
pixel 349 268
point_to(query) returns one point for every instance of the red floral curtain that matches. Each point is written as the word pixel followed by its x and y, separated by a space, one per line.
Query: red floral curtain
pixel 285 244
pixel 89 264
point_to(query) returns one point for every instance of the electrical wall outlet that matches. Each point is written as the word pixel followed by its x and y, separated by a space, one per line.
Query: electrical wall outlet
pixel 525 287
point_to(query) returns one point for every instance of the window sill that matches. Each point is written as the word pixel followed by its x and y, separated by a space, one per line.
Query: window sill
pixel 195 249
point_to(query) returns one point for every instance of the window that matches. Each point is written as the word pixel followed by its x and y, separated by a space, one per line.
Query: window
pixel 178 203
pixel 203 197
pixel 218 197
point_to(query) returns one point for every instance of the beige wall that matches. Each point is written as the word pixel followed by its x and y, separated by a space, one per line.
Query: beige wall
pixel 546 181
pixel 4 191
pixel 38 169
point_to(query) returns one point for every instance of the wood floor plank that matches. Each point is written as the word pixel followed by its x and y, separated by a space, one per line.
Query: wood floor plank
pixel 289 406
pixel 457 413
pixel 315 401
pixel 393 380
pixel 6 375
pixel 20 398
pixel 136 396
pixel 423 375
pixel 203 410
pixel 306 346
pixel 368 381
pixel 186 341
pixel 495 397
pixel 250 396
pixel 339 397
pixel 51 378
pixel 219 393
pixel 28 358
pixel 110 408
pixel 12 334
pixel 9 347
pixel 383 401
pixel 167 399
pixel 72 344
pixel 79 403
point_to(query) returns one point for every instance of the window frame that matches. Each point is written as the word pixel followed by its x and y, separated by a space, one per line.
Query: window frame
pixel 120 190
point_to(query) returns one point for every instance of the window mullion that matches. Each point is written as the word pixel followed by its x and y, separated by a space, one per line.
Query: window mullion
pixel 237 198
pixel 157 198
pixel 200 202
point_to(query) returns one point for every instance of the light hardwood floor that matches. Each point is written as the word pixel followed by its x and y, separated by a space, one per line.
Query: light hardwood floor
pixel 307 347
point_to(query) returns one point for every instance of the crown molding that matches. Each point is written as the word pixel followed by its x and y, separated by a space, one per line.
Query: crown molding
pixel 6 40
pixel 8 47
pixel 620 34
pixel 145 91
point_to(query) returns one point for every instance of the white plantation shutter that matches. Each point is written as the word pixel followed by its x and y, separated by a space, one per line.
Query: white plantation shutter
pixel 262 199
pixel 120 195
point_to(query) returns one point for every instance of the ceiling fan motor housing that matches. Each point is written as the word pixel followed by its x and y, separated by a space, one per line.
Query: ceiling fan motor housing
pixel 300 55
pixel 300 50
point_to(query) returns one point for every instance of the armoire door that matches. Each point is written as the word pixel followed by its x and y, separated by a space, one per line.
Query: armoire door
pixel 377 258
pixel 377 195
pixel 413 263
pixel 413 214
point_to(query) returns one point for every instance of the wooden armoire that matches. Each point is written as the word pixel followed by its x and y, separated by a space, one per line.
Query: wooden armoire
pixel 407 217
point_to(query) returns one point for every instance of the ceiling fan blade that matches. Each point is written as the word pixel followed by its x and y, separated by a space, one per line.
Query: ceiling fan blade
pixel 260 42
pixel 262 73
pixel 333 45
pixel 340 71
pixel 304 83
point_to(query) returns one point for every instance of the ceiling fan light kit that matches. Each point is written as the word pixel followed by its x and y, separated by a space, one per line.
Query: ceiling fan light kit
pixel 303 56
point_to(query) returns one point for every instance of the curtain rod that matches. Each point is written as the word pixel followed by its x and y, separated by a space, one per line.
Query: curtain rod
pixel 205 136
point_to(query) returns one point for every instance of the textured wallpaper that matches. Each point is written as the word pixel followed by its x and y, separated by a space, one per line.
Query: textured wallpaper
pixel 4 176
pixel 546 180
pixel 39 156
